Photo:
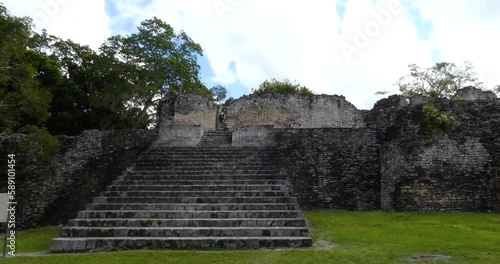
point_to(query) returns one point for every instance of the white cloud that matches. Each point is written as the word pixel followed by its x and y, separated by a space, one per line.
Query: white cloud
pixel 297 40
pixel 466 30
pixel 84 22
pixel 300 40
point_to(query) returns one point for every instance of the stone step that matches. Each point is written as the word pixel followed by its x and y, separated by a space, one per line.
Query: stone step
pixel 74 245
pixel 216 138
pixel 197 188
pixel 132 214
pixel 183 231
pixel 179 193
pixel 208 160
pixel 182 182
pixel 223 155
pixel 236 172
pixel 190 163
pixel 200 222
pixel 208 149
pixel 219 132
pixel 207 200
pixel 210 196
pixel 192 206
pixel 226 177
pixel 221 152
pixel 205 161
pixel 215 167
pixel 193 156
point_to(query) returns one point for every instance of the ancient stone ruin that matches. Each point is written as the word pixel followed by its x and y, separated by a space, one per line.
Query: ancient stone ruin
pixel 188 184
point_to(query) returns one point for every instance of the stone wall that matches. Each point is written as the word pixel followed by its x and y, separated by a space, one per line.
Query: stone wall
pixel 51 194
pixel 441 175
pixel 336 156
pixel 294 111
pixel 452 171
pixel 332 168
pixel 190 109
pixel 179 136
pixel 253 136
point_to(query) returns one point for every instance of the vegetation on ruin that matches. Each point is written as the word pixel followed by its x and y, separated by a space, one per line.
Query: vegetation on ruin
pixel 442 80
pixel 281 87
pixel 340 237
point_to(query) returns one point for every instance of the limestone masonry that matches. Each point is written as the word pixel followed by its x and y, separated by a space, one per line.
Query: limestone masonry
pixel 294 111
pixel 280 153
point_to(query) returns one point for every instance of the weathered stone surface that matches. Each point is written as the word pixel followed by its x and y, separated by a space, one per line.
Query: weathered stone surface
pixel 334 168
pixel 87 164
pixel 192 214
pixel 454 171
pixel 294 111
pixel 218 138
pixel 442 175
pixel 254 136
pixel 191 109
pixel 179 136
pixel 470 93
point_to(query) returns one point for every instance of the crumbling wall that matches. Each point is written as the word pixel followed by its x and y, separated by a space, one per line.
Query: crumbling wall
pixel 294 111
pixel 452 171
pixel 194 109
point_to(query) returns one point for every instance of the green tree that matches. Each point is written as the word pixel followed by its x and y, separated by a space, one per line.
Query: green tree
pixel 24 76
pixel 219 92
pixel 283 87
pixel 222 112
pixel 159 61
pixel 441 80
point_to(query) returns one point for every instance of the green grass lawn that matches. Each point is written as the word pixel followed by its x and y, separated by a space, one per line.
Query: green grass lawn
pixel 341 237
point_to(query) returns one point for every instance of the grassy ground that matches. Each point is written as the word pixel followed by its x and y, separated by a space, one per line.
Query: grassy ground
pixel 341 237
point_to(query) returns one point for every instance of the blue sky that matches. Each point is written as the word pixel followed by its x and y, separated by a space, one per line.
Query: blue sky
pixel 237 89
pixel 346 47
pixel 129 25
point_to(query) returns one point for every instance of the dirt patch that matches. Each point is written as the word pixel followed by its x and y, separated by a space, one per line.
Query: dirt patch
pixel 323 245
pixel 428 257
pixel 33 254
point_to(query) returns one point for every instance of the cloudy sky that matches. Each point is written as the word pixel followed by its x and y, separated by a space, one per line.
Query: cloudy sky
pixel 347 47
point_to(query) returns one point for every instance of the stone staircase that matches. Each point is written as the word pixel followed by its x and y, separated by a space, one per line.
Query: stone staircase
pixel 203 197
pixel 218 138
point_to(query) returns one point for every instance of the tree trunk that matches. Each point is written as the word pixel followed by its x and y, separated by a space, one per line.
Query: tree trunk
pixel 144 112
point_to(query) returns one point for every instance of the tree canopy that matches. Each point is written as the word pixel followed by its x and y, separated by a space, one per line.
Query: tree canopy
pixel 441 80
pixel 26 76
pixel 65 87
pixel 283 87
